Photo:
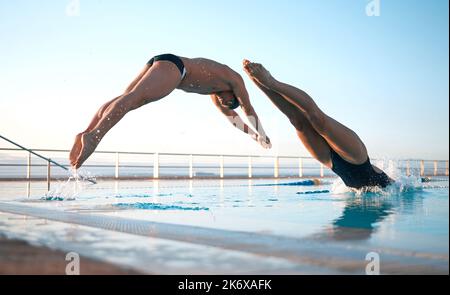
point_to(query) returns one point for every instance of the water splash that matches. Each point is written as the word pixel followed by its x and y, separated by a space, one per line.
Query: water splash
pixel 71 188
pixel 403 182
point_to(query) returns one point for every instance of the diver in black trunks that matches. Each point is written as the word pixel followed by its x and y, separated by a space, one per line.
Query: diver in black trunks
pixel 330 142
pixel 161 75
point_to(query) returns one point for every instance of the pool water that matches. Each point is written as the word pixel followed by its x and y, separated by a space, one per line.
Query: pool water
pixel 251 226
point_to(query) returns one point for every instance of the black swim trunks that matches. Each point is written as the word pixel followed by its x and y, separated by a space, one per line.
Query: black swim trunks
pixel 173 59
pixel 358 176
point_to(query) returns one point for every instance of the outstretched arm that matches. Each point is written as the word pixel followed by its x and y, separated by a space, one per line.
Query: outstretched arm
pixel 241 94
pixel 234 118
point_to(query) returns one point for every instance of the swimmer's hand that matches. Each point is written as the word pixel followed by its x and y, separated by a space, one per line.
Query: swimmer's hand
pixel 264 141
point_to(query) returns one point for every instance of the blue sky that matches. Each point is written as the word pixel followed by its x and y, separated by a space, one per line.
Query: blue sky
pixel 386 76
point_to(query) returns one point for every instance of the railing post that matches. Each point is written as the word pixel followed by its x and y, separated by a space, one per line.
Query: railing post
pixel 117 166
pixel 300 167
pixel 435 168
pixel 276 167
pixel 407 169
pixel 221 167
pixel 48 174
pixel 156 166
pixel 29 166
pixel 422 168
pixel 191 186
pixel 191 166
pixel 321 170
pixel 250 167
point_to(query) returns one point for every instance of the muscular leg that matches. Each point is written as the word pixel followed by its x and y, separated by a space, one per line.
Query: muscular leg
pixel 76 148
pixel 313 142
pixel 77 145
pixel 159 81
pixel 138 79
pixel 342 139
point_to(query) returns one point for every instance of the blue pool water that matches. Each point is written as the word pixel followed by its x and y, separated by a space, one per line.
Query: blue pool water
pixel 408 224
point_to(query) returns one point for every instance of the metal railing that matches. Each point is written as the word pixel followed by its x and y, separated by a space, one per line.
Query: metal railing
pixel 48 160
pixel 114 165
pixel 156 165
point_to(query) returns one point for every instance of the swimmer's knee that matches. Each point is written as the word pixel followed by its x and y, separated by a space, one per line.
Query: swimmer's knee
pixel 296 119
pixel 297 122
pixel 318 120
pixel 137 99
pixel 133 100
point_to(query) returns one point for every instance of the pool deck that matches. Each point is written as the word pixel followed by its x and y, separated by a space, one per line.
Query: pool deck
pixel 21 258
pixel 303 256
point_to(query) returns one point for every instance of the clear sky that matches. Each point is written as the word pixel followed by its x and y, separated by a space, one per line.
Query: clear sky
pixel 385 76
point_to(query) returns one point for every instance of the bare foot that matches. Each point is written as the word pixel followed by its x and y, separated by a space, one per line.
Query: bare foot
pixel 89 143
pixel 258 73
pixel 75 149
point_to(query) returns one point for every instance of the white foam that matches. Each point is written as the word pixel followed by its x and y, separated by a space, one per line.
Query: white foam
pixel 402 182
pixel 70 189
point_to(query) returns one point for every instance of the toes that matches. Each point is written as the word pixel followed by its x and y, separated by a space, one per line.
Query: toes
pixel 251 66
pixel 248 70
pixel 78 163
pixel 247 67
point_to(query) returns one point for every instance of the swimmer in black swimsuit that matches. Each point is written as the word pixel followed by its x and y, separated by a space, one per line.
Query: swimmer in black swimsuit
pixel 161 75
pixel 330 142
